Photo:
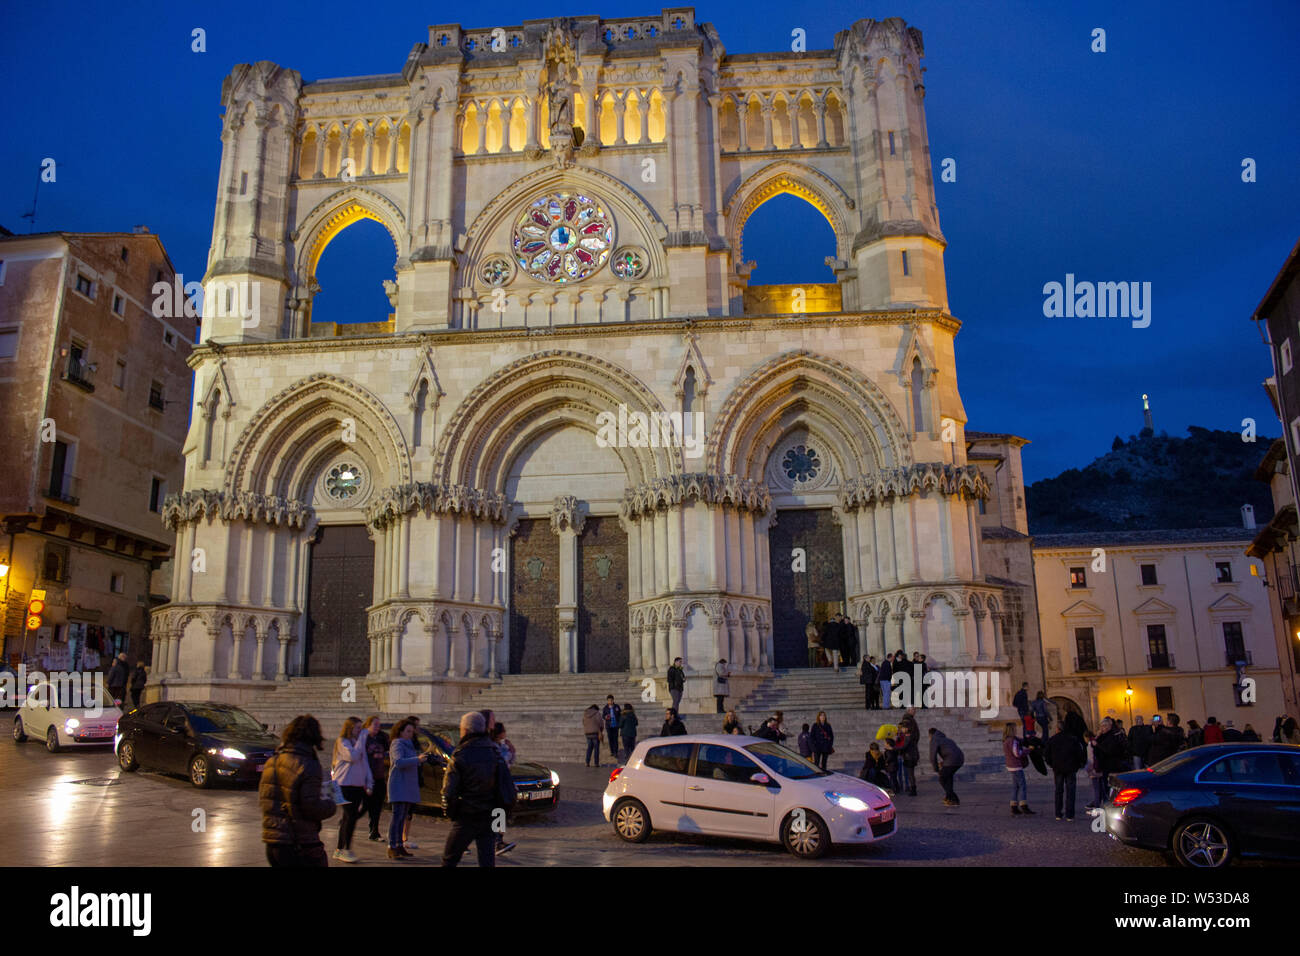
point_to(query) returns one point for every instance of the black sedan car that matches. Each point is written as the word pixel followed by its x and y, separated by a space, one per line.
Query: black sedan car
pixel 206 741
pixel 1210 804
pixel 537 787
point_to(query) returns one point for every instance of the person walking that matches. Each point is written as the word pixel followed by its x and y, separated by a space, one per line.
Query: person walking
pixel 139 678
pixel 591 728
pixel 884 677
pixel 1066 755
pixel 508 754
pixel 946 758
pixel 805 743
pixel 627 728
pixel 1139 741
pixel 676 682
pixel 823 740
pixel 1213 731
pixel 290 797
pixel 673 726
pixel 849 639
pixel 867 678
pixel 732 724
pixel 1167 740
pixel 1042 719
pixel 414 721
pixel 908 742
pixel 119 676
pixel 1021 703
pixel 1249 735
pixel 720 675
pixel 350 769
pixel 403 785
pixel 611 716
pixel 1112 753
pixel 377 744
pixel 477 783
pixel 814 645
pixel 1016 758
pixel 1195 734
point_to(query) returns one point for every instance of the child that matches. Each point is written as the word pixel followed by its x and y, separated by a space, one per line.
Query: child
pixel 1016 759
pixel 805 743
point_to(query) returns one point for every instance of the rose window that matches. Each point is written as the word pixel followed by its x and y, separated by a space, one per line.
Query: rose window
pixel 495 270
pixel 801 463
pixel 343 481
pixel 563 238
pixel 628 263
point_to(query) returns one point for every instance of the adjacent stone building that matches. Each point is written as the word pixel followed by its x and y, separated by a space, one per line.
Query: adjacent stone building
pixel 95 391
pixel 584 441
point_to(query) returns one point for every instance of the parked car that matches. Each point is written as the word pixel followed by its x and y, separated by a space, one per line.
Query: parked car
pixel 206 741
pixel 537 787
pixel 1208 805
pixel 730 785
pixel 61 715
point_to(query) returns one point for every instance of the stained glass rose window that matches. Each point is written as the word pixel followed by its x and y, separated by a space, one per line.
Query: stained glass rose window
pixel 801 463
pixel 564 237
pixel 343 481
pixel 495 270
pixel 628 263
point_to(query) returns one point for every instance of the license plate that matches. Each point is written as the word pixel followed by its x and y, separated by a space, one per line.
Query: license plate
pixel 540 795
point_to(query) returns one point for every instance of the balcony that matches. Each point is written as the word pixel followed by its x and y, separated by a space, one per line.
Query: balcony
pixel 1234 656
pixel 1160 662
pixel 65 488
pixel 78 373
pixel 1089 665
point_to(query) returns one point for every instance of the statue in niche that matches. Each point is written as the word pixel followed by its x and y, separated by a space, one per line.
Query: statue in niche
pixel 560 50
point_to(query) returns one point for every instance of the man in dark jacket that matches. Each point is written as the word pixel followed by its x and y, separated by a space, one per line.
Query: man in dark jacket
pixel 476 790
pixel 289 794
pixel 946 758
pixel 848 641
pixel 1021 702
pixel 1112 753
pixel 139 678
pixel 1066 755
pixel 1139 740
pixel 831 641
pixel 676 682
pixel 611 716
pixel 1074 725
pixel 118 676
pixel 768 731
pixel 673 726
pixel 884 678
pixel 1168 739
pixel 867 678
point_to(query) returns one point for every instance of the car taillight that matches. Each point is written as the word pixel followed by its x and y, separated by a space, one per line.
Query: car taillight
pixel 614 775
pixel 1126 796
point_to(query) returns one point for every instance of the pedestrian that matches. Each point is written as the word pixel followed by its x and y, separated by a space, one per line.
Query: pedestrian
pixel 893 760
pixel 1112 752
pixel 823 740
pixel 1249 735
pixel 849 638
pixel 946 758
pixel 1290 732
pixel 1213 732
pixel 1074 725
pixel 918 678
pixel 867 678
pixel 627 729
pixel 873 767
pixel 118 677
pixel 805 743
pixel 403 785
pixel 1038 707
pixel 414 721
pixel 611 717
pixel 1231 735
pixel 377 744
pixel 673 726
pixel 903 666
pixel 720 675
pixel 814 645
pixel 832 641
pixel 1021 702
pixel 778 725
pixel 508 754
pixel 477 783
pixel 1195 734
pixel 1066 755
pixel 908 742
pixel 591 727
pixel 1094 772
pixel 884 676
pixel 351 771
pixel 732 724
pixel 1016 759
pixel 1140 736
pixel 768 731
pixel 139 677
pixel 291 797
pixel 1167 740
pixel 676 682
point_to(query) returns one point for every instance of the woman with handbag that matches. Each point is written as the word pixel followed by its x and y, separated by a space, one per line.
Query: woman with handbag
pixel 823 740
pixel 292 800
pixel 351 771
pixel 403 784
pixel 720 675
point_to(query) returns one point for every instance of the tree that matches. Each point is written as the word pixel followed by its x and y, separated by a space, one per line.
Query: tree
pixel 1117 444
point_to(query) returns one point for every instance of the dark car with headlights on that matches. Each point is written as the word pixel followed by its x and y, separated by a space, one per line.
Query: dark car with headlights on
pixel 206 741
pixel 537 788
pixel 1211 804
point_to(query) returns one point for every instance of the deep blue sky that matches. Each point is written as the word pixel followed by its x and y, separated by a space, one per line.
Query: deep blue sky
pixel 1117 166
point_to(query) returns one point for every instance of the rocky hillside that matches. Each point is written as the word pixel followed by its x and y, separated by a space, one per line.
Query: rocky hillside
pixel 1154 482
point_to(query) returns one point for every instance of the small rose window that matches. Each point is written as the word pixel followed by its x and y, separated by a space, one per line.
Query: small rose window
pixel 564 237
pixel 628 263
pixel 343 481
pixel 495 270
pixel 801 463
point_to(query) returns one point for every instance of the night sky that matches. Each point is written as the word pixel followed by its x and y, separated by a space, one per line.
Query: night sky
pixel 1116 166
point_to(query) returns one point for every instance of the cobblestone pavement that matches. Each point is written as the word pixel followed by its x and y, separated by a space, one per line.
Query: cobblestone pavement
pixel 78 809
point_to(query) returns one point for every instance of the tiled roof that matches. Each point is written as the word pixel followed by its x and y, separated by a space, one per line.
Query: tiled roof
pixel 1120 539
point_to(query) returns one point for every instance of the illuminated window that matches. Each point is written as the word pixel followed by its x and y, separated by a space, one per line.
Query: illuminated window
pixel 563 238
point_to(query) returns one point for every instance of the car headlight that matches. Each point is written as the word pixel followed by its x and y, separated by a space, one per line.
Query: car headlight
pixel 846 801
pixel 230 753
pixel 555 779
pixel 71 724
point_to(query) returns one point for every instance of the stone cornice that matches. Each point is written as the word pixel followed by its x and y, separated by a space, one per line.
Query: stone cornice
pixel 867 490
pixel 731 491
pixel 250 506
pixel 392 503
pixel 697 324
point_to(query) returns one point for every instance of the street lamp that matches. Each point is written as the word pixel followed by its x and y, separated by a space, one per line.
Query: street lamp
pixel 1128 697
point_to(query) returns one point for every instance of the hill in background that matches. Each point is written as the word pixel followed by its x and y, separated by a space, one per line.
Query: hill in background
pixel 1155 482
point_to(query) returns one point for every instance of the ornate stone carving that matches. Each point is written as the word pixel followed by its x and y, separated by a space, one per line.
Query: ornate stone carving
pixel 392 503
pixel 728 490
pixel 567 511
pixel 193 506
pixel 957 480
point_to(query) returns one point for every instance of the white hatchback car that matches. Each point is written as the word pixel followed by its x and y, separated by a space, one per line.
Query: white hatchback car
pixel 728 785
pixel 62 718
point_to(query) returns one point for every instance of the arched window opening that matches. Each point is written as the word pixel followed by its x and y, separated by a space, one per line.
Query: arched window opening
pixel 495 132
pixel 307 155
pixel 518 126
pixel 350 273
pixel 632 118
pixel 658 123
pixel 214 404
pixel 421 401
pixel 728 125
pixel 807 123
pixel 782 131
pixel 333 152
pixel 789 239
pixel 469 144
pixel 404 148
pixel 383 147
pixel 608 124
pixel 835 120
pixel 918 402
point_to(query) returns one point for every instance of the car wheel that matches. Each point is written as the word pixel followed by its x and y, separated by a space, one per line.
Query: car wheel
pixel 126 756
pixel 809 841
pixel 20 735
pixel 200 772
pixel 631 822
pixel 1202 844
pixel 52 740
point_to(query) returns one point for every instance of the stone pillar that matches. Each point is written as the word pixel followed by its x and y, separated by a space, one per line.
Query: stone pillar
pixel 620 108
pixel 245 564
pixel 394 136
pixel 493 636
pixel 282 662
pixel 452 668
pixel 819 107
pixel 912 632
pixel 368 160
pixel 214 634
pixel 643 102
pixel 881 638
pixel 767 650
pixel 999 637
pixel 404 558
pixel 237 643
pixel 742 113
pixel 768 141
pixel 676 645
pixel 903 557
pixel 662 658
pixel 647 649
pixel 322 140
pixel 981 637
pixel 969 638
pixel 480 120
pixel 174 653
pixel 886 560
pixel 567 521
pixel 259 669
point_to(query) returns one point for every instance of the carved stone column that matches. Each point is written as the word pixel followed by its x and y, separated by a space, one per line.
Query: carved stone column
pixel 174 652
pixel 969 637
pixel 282 662
pixel 742 113
pixel 912 632
pixel 452 668
pixel 236 644
pixel 567 521
pixel 214 634
pixel 676 641
pixel 662 658
pixel 768 141
pixel 981 640
pixel 322 140
pixel 819 107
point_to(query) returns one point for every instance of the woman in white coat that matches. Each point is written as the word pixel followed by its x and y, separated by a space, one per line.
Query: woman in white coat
pixel 720 675
pixel 351 771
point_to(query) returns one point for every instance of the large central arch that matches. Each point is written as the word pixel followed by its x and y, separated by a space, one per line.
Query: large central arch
pixel 334 214
pixel 795 179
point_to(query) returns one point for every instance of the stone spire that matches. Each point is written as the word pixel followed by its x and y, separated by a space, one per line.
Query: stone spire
pixel 1146 415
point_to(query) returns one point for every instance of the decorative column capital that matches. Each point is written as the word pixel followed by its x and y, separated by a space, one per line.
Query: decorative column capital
pixel 567 513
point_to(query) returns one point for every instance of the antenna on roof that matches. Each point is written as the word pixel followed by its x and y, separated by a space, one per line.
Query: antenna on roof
pixel 32 215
